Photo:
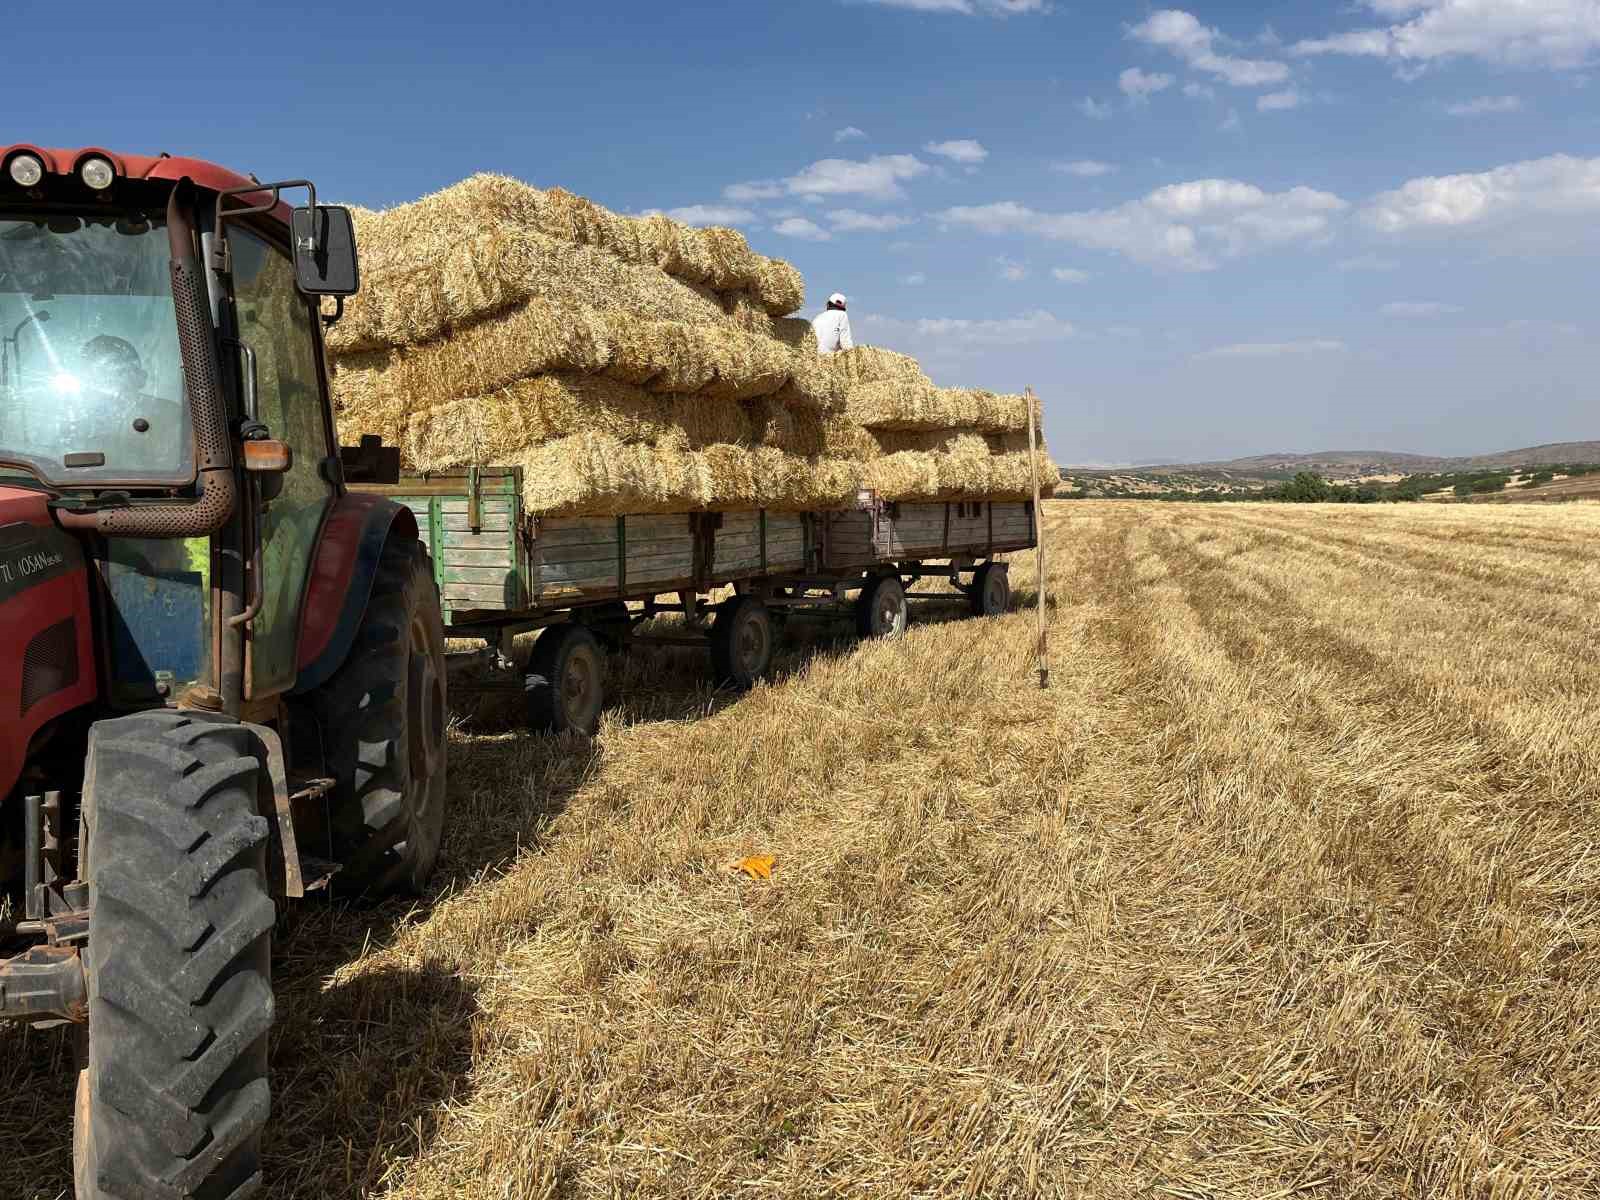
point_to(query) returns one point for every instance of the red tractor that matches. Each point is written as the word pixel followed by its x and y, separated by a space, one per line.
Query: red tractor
pixel 221 672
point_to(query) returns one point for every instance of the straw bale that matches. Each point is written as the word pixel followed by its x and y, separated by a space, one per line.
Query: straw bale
pixel 538 337
pixel 487 428
pixel 796 333
pixel 872 364
pixel 597 475
pixel 963 469
pixel 898 405
pixel 495 268
pixel 413 234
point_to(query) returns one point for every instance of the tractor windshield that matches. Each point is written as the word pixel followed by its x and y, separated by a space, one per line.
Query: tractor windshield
pixel 91 384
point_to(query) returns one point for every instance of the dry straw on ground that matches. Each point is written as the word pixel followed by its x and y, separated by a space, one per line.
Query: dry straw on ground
pixel 1286 888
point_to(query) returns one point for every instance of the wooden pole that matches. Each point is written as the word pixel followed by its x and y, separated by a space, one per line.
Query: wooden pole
pixel 1043 648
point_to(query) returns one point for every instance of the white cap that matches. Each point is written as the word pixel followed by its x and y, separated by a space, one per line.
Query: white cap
pixel 836 298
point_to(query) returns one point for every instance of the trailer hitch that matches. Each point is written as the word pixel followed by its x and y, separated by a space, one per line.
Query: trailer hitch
pixel 44 985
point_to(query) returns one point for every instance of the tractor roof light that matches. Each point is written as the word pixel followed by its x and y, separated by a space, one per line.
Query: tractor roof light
pixel 26 170
pixel 97 173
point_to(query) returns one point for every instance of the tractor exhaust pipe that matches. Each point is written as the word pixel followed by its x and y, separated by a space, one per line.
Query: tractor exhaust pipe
pixel 218 491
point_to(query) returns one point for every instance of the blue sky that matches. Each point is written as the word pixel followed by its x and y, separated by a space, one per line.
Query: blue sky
pixel 1198 232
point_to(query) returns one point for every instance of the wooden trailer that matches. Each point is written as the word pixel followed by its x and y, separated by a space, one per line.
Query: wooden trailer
pixel 590 583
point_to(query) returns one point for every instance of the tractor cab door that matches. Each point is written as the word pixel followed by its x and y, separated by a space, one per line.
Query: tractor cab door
pixel 277 327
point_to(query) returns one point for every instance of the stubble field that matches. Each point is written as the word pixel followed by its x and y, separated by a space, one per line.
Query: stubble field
pixel 1289 886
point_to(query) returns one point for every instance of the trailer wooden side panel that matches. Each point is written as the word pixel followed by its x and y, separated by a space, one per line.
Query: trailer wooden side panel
pixel 575 557
pixel 902 532
pixel 759 543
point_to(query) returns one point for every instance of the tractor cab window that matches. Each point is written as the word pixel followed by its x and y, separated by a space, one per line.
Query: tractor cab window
pixel 91 383
pixel 276 322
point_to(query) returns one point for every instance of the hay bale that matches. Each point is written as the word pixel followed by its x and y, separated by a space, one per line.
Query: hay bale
pixel 872 364
pixel 415 234
pixel 963 469
pixel 540 337
pixel 898 405
pixel 596 475
pixel 488 428
pixel 499 267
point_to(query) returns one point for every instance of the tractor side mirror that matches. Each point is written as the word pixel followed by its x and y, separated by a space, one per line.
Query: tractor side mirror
pixel 325 251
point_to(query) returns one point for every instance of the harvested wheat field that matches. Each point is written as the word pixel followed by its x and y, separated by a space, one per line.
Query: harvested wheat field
pixel 1289 886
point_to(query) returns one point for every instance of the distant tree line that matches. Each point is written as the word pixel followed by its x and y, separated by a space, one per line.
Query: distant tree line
pixel 1308 487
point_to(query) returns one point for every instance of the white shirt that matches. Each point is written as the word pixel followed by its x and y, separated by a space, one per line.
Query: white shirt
pixel 833 331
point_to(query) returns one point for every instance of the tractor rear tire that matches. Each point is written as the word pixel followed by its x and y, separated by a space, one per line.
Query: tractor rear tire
pixel 174 1095
pixel 383 718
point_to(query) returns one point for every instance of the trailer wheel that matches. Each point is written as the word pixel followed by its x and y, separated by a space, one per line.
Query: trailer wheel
pixel 384 714
pixel 173 1097
pixel 881 610
pixel 991 590
pixel 741 642
pixel 566 680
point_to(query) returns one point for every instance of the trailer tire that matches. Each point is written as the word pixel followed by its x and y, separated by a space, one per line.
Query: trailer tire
pixel 173 1097
pixel 881 609
pixel 742 638
pixel 387 805
pixel 565 683
pixel 991 590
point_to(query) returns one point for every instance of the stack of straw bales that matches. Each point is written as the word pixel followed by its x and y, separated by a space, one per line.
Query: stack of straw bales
pixel 920 442
pixel 634 364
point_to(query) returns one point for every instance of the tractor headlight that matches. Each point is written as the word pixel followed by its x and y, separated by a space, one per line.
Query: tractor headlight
pixel 97 173
pixel 26 170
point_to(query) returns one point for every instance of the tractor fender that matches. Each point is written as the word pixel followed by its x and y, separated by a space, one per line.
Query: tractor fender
pixel 343 566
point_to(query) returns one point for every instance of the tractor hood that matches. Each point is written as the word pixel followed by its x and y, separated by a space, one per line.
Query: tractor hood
pixel 46 650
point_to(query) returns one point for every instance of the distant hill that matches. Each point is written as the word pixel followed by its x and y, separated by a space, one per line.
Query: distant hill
pixel 1389 462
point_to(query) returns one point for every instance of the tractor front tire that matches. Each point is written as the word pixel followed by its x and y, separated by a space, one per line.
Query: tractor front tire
pixel 173 1099
pixel 383 723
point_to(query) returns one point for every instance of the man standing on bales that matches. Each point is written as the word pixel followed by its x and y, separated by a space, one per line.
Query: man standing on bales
pixel 833 327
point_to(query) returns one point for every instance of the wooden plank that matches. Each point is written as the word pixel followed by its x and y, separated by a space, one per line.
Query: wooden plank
pixel 504 576
pixel 452 505
pixel 455 539
pixel 674 523
pixel 481 594
pixel 498 557
pixel 458 523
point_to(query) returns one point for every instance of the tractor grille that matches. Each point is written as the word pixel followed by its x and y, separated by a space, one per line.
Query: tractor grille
pixel 50 663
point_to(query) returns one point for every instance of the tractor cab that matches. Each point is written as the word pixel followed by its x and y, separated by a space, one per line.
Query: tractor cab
pixel 221 673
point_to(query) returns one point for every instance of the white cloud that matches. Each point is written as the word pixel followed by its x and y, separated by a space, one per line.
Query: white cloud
pixel 1522 201
pixel 878 177
pixel 1485 105
pixel 799 227
pixel 1419 310
pixel 1563 328
pixel 1011 270
pixel 960 150
pixel 1278 101
pixel 849 134
pixel 915 279
pixel 1181 34
pixel 1070 275
pixel 708 214
pixel 991 8
pixel 1274 349
pixel 1188 226
pixel 755 189
pixel 1095 109
pixel 1231 122
pixel 1037 326
pixel 1199 91
pixel 1560 34
pixel 1085 168
pixel 1141 85
pixel 848 220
